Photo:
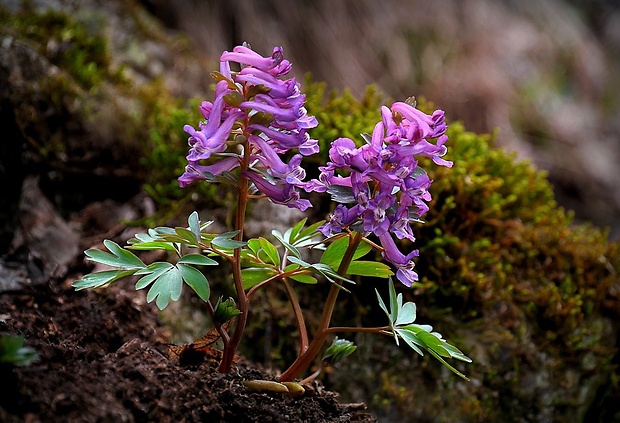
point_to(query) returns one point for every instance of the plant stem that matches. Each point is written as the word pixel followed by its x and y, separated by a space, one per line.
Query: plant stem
pixel 299 317
pixel 231 347
pixel 305 359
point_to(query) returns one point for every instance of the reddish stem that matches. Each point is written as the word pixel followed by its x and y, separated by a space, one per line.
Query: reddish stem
pixel 305 359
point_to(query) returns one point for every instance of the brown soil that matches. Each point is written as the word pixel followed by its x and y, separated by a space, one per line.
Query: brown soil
pixel 102 356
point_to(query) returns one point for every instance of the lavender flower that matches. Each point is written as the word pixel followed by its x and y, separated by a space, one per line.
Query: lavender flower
pixel 382 178
pixel 268 112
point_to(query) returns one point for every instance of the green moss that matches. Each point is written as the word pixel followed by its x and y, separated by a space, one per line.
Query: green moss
pixel 75 46
pixel 501 258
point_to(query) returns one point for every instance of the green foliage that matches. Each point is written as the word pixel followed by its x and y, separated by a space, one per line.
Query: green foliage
pixel 335 252
pixel 418 337
pixel 80 49
pixel 495 231
pixel 165 279
pixel 13 351
pixel 338 351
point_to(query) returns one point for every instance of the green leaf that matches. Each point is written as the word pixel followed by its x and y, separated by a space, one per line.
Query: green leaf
pixel 304 278
pixel 219 77
pixel 295 230
pixel 119 257
pixel 254 245
pixel 410 339
pixel 325 270
pixel 334 253
pixel 270 250
pixel 150 241
pixel 167 287
pixel 300 277
pixel 153 245
pixel 309 232
pixel 225 241
pixel 362 249
pixel 152 272
pixel 13 351
pixel 127 256
pixel 445 363
pixel 234 98
pixel 95 280
pixel 198 259
pixel 341 194
pixel 394 309
pixel 433 343
pixel 286 244
pixel 196 280
pixel 225 310
pixel 224 178
pixel 369 268
pixel 332 256
pixel 407 314
pixel 383 307
pixel 254 275
pixel 194 224
pixel 338 351
pixel 187 236
pixel 456 353
pixel 163 230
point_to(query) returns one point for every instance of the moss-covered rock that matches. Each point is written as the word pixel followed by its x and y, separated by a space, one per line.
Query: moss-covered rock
pixel 506 275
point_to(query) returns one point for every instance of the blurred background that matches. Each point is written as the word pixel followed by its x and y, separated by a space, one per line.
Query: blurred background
pixel 543 75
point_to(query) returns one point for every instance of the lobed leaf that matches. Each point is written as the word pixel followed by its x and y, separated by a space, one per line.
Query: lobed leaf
pixel 118 257
pixel 196 280
pixel 407 314
pixel 194 224
pixel 225 241
pixel 152 272
pixel 167 287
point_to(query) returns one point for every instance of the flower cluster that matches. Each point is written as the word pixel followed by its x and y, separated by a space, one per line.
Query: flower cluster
pixel 254 136
pixel 382 180
pixel 264 114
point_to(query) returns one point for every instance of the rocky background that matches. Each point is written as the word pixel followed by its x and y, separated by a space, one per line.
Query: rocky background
pixel 545 75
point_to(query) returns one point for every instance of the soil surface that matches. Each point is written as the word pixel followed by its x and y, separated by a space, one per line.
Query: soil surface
pixel 103 356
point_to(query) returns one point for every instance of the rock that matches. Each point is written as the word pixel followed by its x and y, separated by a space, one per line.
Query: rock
pixel 43 233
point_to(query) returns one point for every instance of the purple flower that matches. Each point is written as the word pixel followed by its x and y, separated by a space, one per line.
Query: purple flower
pixel 339 219
pixel 383 180
pixel 282 193
pixel 376 218
pixel 404 264
pixel 292 173
pixel 276 65
pixel 195 172
pixel 281 127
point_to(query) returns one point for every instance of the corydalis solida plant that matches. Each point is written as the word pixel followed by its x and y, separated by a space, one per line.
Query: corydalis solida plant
pixel 254 137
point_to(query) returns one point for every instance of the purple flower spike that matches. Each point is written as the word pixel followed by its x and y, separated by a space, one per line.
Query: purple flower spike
pixel 279 194
pixel 195 172
pixel 275 65
pixel 404 264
